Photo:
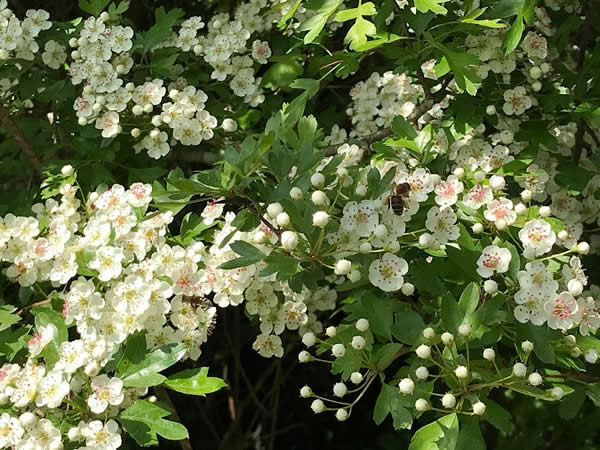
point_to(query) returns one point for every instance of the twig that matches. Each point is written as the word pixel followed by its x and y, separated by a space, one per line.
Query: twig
pixel 18 135
pixel 33 305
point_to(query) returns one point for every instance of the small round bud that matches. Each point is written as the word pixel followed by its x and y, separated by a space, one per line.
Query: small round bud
pixel 73 42
pixel 365 247
pixel 575 287
pixel 479 408
pixel 317 180
pixel 361 190
pixel 497 183
pixel 501 224
pixel 317 406
pixel 75 54
pixel 303 356
pixel 562 235
pixel 490 110
pixel 545 67
pixel 519 370
pixel 274 209
pixel 341 172
pixel 73 434
pixel 570 340
pixel 520 209
pixel 448 401
pixel 339 389
pixel 356 377
pixel 459 172
pixel 320 219
pixel 489 354
pixel 536 86
pixel 461 372
pixel 380 231
pixel 296 193
pixel 82 121
pixel 104 16
pixel 259 237
pixel 426 240
pixel 527 346
pixel 583 248
pixel 477 228
pixel 137 110
pixel 557 393
pixel 428 333
pixel 535 72
pixel 156 121
pixel 535 379
pixel 575 352
pixel 331 331
pixel 136 132
pixel 96 107
pixel 358 342
pixel 319 198
pixel 67 170
pixel 343 267
pixel 421 405
pixel 354 276
pixel 447 338
pixel 362 325
pixel 341 414
pixel 338 350
pixel 479 176
pixel 422 373
pixel 464 329
pixel 283 219
pixel 423 351
pixel 229 125
pixel 545 211
pixel 306 392
pixel 407 386
pixel 507 137
pixel 289 240
pixel 490 287
pixel 526 195
pixel 309 339
pixel 408 289
pixel 591 356
pixel 148 107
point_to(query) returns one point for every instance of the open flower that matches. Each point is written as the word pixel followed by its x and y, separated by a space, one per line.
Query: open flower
pixel 105 391
pixel 387 272
pixel 493 259
pixel 537 237
pixel 562 311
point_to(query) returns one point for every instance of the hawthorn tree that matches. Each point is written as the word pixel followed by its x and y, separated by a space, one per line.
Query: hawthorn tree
pixel 405 193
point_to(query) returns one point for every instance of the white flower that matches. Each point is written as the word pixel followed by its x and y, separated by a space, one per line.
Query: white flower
pixel 531 306
pixel 52 390
pixel 535 46
pixel 478 196
pixel 442 224
pixel 11 431
pixel 387 272
pixel 562 311
pixel 536 276
pixel 589 315
pixel 109 124
pixel 517 102
pixel 43 337
pixel 421 183
pixel 268 345
pixel 447 191
pixel 105 436
pixel 105 391
pixel 493 259
pixel 537 237
pixel 211 212
pixel 139 195
pixel 500 209
pixel 54 54
pixel 261 51
pixel 107 262
pixel 361 218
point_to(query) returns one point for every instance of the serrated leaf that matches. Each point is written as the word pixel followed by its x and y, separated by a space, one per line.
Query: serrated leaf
pixel 144 420
pixel 431 5
pixel 439 435
pixel 391 401
pixel 143 372
pixel 194 382
pixel 93 7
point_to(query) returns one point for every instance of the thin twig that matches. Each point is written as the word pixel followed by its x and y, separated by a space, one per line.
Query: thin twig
pixel 33 305
pixel 18 135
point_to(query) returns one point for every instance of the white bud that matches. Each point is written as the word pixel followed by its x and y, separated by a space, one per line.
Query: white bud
pixel 407 386
pixel 557 393
pixel 507 137
pixel 338 350
pixel 73 434
pixel 343 267
pixel 408 289
pixel 447 338
pixel 296 193
pixel 339 389
pixel 356 377
pixel 501 224
pixel 260 237
pixel 535 72
pixel 426 240
pixel 317 406
pixel 229 125
pixel 306 392
pixel 341 414
pixel 365 247
pixel 137 110
pixel 104 16
pixel 479 176
pixel 464 329
pixel 136 132
pixel 428 333
pixel 545 67
pixel 479 408
pixel 309 339
pixel 497 182
pixel 148 107
pixel 75 54
pixel 320 219
pixel 591 356
pixel 535 379
pixel 575 352
pixel 536 86
pixel 422 373
pixel 96 107
pixel 448 401
pixel 489 354
pixel 575 287
pixel 519 370
pixel 583 248
pixel 380 231
pixel 527 346
pixel 156 120
pixel 358 342
pixel 289 240
pixel 73 42
pixel 274 209
pixel 459 172
pixel 319 198
pixel 317 180
pixel 526 195
pixel 477 228
pixel 423 351
pixel 303 356
pixel 520 209
pixel 331 331
pixel 461 372
pixel 490 287
pixel 421 405
pixel 354 276
pixel 545 211
pixel 570 340
pixel 283 219
pixel 67 170
pixel 361 190
pixel 362 325
pixel 562 235
pixel 490 110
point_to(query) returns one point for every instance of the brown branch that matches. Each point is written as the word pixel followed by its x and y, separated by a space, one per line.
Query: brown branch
pixel 18 135
pixel 33 305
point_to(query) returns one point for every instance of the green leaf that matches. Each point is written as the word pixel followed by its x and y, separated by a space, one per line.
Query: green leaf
pixel 570 406
pixel 386 354
pixel 7 318
pixel 357 34
pixel 194 382
pixel 459 63
pixel 408 326
pixel 161 30
pixel 145 372
pixel 366 9
pixel 144 420
pixel 347 364
pixel 469 299
pixel 431 5
pixel 513 36
pixel 244 249
pixel 439 435
pixel 391 401
pixel 452 315
pixel 472 18
pixel 315 24
pixel 403 128
pixel 498 417
pixel 470 437
pixel 93 7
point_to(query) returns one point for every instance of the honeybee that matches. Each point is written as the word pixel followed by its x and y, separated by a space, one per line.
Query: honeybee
pixel 396 200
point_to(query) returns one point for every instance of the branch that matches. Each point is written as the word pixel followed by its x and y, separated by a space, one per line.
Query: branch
pixel 17 134
pixel 33 305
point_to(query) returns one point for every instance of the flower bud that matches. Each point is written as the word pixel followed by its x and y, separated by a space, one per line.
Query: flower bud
pixel 557 393
pixel 356 377
pixel 274 209
pixel 536 86
pixel 283 219
pixel 479 408
pixel 422 373
pixel 148 108
pixel 317 406
pixel 362 325
pixel 501 224
pixel 361 190
pixel 136 132
pixel 289 240
pixel 306 392
pixel 303 356
pixel 527 346
pixel 519 370
pixel 358 342
pixel 562 235
pixel 490 110
pixel 479 176
pixel 489 354
pixel 338 350
pixel 67 170
pixel 591 356
pixel 535 379
pixel 448 401
pixel 575 287
pixel 365 247
pixel 407 386
pixel 408 289
pixel 309 339
pixel 526 195
pixel 229 125
pixel 497 182
pixel 583 248
pixel 423 351
pixel 421 405
pixel 428 333
pixel 343 267
pixel 380 231
pixel 490 287
pixel 319 198
pixel 477 228
pixel 459 172
pixel 296 193
pixel 447 338
pixel 354 276
pixel 461 372
pixel 320 219
pixel 341 414
pixel 535 72
pixel 464 329
pixel 317 180
pixel 137 110
pixel 331 331
pixel 520 209
pixel 339 389
pixel 426 240
pixel 545 211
